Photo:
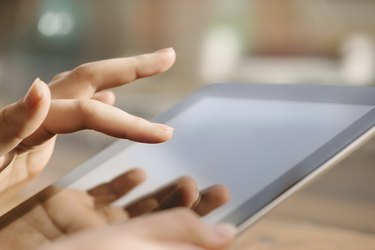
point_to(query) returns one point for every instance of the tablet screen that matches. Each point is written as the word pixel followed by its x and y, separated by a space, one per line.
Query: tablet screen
pixel 245 144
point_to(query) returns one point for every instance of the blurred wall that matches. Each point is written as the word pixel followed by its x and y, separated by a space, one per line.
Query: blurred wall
pixel 213 38
pixel 289 41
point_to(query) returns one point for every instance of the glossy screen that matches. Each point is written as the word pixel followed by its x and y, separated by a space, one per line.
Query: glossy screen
pixel 245 144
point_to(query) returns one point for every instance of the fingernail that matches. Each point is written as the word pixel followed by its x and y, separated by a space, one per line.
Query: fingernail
pixel 34 94
pixel 164 50
pixel 165 127
pixel 225 230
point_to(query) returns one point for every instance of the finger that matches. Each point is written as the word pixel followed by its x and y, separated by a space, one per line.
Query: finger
pixel 88 78
pixel 105 96
pixel 20 119
pixel 140 207
pixel 182 226
pixel 179 229
pixel 108 192
pixel 212 198
pixel 60 75
pixel 167 194
pixel 68 116
pixel 164 192
pixel 181 197
pixel 113 214
pixel 185 196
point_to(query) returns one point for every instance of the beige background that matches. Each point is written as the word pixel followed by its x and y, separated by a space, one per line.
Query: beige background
pixel 290 41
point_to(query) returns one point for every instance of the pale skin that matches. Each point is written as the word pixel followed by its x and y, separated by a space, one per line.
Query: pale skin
pixel 77 100
pixel 56 214
pixel 175 229
pixel 73 101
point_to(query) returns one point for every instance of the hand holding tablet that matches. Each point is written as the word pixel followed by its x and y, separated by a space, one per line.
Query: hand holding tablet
pixel 261 141
pixel 80 101
pixel 56 213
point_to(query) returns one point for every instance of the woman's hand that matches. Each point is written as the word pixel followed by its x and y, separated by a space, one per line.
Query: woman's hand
pixel 73 101
pixel 177 229
pixel 56 214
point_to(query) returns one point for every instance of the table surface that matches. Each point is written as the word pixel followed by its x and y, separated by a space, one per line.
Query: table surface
pixel 290 234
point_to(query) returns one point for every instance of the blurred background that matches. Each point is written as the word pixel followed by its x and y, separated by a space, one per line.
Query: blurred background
pixel 270 41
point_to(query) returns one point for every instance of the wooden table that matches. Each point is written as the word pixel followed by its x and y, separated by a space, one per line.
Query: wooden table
pixel 288 234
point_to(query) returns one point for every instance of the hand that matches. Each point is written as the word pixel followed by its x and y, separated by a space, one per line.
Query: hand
pixel 177 229
pixel 56 213
pixel 74 100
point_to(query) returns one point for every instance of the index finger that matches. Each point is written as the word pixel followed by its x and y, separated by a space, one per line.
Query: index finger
pixel 86 79
pixel 184 189
pixel 108 192
pixel 212 198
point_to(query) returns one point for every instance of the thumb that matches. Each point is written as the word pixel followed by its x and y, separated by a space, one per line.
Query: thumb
pixel 21 119
pixel 182 226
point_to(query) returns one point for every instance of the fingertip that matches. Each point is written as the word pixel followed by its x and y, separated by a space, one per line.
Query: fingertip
pixel 166 132
pixel 147 132
pixel 167 57
pixel 25 116
pixel 220 194
pixel 212 198
pixel 132 178
pixel 36 93
pixel 189 195
pixel 184 196
pixel 165 50
pixel 171 55
pixel 138 175
pixel 186 181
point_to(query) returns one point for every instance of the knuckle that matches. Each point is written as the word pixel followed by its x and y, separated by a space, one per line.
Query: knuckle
pixel 135 62
pixel 187 181
pixel 83 106
pixel 60 75
pixel 86 109
pixel 138 59
pixel 84 72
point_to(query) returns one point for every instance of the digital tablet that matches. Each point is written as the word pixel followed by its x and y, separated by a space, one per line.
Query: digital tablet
pixel 262 141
